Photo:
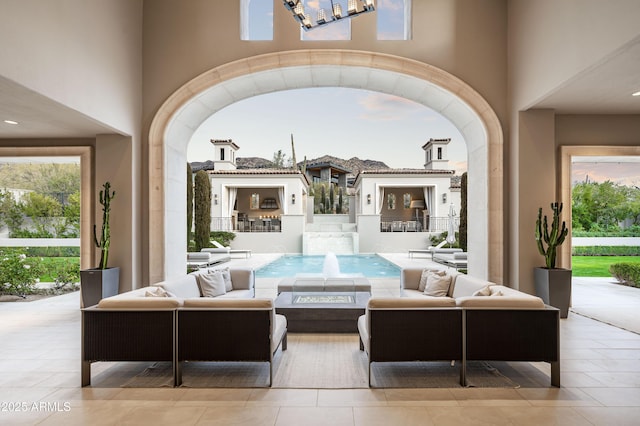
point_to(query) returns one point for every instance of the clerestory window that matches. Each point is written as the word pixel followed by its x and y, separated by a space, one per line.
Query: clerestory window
pixel 256 20
pixel 394 19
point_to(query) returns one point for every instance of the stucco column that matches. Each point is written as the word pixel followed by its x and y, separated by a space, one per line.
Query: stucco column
pixel 535 187
pixel 113 163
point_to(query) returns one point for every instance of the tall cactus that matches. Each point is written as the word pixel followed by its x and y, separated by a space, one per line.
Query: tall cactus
pixel 553 239
pixel 105 238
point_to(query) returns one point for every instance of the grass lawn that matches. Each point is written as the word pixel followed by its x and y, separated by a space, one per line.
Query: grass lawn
pixel 597 266
pixel 51 263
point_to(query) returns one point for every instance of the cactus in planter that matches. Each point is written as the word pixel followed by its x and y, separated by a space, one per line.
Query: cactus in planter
pixel 554 238
pixel 105 237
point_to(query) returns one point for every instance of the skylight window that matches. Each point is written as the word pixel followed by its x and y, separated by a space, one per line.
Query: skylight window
pixel 336 31
pixel 394 19
pixel 256 20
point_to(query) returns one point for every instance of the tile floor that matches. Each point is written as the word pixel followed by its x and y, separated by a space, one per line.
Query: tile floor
pixel 40 376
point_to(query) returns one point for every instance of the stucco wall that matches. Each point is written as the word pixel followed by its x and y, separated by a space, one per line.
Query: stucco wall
pixel 184 39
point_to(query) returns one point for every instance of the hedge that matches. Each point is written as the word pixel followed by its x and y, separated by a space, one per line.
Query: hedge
pixel 606 251
pixel 626 273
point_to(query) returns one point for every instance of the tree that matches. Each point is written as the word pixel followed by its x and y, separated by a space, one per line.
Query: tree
pixel 10 213
pixel 600 205
pixel 189 203
pixel 202 208
pixel 71 226
pixel 42 209
pixel 279 159
pixel 462 229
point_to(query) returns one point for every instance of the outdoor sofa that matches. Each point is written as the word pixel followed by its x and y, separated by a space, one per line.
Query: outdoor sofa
pixel 460 324
pixel 148 325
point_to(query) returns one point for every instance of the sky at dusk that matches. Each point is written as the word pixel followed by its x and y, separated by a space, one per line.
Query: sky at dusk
pixel 341 122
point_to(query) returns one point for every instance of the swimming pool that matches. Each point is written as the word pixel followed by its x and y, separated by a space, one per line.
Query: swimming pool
pixel 370 265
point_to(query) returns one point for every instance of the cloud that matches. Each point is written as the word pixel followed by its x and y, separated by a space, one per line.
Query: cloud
pixel 459 166
pixel 621 173
pixel 390 4
pixel 379 106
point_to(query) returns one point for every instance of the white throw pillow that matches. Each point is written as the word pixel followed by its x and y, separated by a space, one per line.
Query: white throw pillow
pixel 226 274
pixel 437 284
pixel 484 291
pixel 425 274
pixel 497 293
pixel 212 284
pixel 156 292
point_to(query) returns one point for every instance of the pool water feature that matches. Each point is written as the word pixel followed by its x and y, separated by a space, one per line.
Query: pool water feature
pixel 369 265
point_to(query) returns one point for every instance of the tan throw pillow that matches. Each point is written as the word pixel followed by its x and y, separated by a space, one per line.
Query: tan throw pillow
pixel 212 284
pixel 425 274
pixel 497 293
pixel 484 291
pixel 437 284
pixel 156 292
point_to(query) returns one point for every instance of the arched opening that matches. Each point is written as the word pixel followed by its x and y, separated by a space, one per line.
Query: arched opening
pixel 198 99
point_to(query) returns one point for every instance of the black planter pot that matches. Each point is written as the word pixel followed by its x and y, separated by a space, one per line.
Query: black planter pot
pixel 96 284
pixel 553 286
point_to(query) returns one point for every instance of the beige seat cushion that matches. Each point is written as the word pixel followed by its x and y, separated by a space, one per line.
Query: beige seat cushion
pixel 363 329
pixel 280 327
pixel 466 285
pixel 410 302
pixel 183 287
pixel 138 303
pixel 228 303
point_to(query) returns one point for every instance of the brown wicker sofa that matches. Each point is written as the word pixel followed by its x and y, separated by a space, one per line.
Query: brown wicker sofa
pixel 507 325
pixel 134 327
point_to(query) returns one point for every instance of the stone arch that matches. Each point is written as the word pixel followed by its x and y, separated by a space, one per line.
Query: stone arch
pixel 190 105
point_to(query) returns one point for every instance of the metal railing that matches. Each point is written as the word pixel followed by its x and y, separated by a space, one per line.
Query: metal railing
pixel 429 224
pixel 246 225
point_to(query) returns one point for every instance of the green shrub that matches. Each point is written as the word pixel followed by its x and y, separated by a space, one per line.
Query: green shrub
pixel 18 273
pixel 626 273
pixel 52 251
pixel 66 275
pixel 223 237
pixel 606 251
pixel 632 231
pixel 202 210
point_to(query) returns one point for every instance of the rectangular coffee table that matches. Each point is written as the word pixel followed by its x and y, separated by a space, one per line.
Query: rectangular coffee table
pixel 322 312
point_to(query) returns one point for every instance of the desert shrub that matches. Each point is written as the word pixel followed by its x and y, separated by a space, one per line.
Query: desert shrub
pixel 626 273
pixel 18 273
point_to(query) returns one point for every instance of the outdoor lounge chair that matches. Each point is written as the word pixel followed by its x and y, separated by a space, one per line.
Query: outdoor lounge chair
pixel 439 249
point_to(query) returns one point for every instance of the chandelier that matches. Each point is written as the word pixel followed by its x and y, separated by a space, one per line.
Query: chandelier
pixel 296 7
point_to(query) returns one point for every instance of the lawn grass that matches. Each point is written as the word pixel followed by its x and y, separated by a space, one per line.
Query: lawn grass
pixel 51 263
pixel 597 266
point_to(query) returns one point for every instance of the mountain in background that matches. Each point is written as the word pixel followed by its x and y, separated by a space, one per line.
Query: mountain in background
pixel 354 164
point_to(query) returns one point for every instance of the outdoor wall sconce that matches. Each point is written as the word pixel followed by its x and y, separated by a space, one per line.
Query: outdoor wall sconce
pixel 293 198
pixel 444 198
pixel 368 198
pixel 215 199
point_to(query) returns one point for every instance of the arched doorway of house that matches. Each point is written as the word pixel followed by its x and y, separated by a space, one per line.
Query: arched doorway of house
pixel 211 91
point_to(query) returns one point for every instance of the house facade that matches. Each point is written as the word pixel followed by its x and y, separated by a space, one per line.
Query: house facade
pixel 389 208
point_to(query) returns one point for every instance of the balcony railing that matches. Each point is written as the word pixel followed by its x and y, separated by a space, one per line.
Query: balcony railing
pixel 430 224
pixel 246 225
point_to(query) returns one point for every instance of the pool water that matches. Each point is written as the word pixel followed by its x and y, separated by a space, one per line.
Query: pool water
pixel 370 265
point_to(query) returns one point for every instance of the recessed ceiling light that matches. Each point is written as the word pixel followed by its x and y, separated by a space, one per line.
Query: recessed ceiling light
pixel 635 94
pixel 10 122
